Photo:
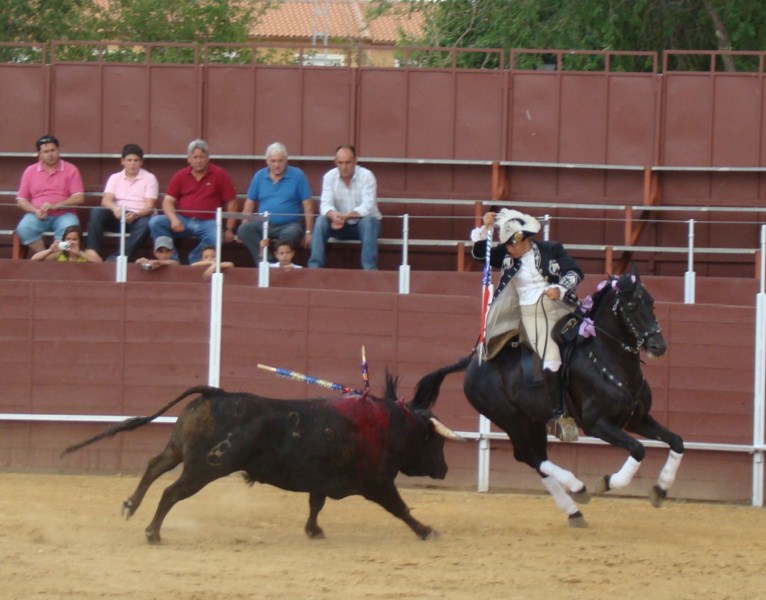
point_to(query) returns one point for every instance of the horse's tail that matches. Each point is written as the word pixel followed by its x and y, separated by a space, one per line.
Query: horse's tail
pixel 427 389
pixel 136 422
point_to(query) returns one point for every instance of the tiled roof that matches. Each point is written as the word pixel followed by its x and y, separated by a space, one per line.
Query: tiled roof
pixel 345 19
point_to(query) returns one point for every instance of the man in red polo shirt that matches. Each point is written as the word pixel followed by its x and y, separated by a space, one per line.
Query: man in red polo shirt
pixel 191 199
pixel 48 191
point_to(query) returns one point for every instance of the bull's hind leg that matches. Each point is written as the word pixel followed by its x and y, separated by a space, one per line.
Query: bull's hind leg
pixel 186 485
pixel 169 458
pixel 316 504
pixel 651 429
pixel 388 497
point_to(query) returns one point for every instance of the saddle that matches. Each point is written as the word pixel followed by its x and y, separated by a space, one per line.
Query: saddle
pixel 531 363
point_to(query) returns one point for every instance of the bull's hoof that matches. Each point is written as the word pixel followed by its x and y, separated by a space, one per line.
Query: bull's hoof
pixel 127 509
pixel 153 537
pixel 657 496
pixel 602 486
pixel 315 534
pixel 581 497
pixel 577 520
pixel 424 532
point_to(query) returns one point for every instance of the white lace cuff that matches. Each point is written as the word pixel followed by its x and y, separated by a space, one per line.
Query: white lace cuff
pixel 478 234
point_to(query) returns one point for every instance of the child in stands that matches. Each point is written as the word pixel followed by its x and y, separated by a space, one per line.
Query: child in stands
pixel 284 253
pixel 208 260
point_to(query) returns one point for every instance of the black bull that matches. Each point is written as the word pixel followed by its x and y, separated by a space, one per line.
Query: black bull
pixel 351 445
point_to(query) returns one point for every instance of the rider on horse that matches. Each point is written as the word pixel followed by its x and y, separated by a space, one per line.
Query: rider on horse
pixel 542 275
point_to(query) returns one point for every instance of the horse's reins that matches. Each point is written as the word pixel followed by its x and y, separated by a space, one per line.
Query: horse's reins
pixel 617 309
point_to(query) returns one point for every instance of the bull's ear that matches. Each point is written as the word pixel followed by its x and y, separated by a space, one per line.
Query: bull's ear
pixel 445 431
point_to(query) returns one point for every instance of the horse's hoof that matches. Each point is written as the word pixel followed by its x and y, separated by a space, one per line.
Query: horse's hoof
pixel 316 534
pixel 127 509
pixel 577 520
pixel 602 486
pixel 581 497
pixel 432 535
pixel 152 537
pixel 657 496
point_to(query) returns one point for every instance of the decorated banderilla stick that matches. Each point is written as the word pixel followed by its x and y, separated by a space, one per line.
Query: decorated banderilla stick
pixel 295 376
pixel 365 371
pixel 486 293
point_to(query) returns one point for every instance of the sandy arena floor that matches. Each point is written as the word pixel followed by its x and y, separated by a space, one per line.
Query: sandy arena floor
pixel 61 536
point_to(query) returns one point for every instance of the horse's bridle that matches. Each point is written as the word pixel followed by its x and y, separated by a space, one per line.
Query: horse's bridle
pixel 618 309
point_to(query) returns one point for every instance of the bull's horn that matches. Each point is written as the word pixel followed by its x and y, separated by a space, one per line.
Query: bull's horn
pixel 445 431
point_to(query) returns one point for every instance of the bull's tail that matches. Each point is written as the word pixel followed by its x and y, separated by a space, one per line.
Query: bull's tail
pixel 427 389
pixel 136 422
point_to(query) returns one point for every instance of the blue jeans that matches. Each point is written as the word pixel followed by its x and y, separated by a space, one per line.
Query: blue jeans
pixel 366 230
pixel 251 234
pixel 201 229
pixel 102 218
pixel 31 229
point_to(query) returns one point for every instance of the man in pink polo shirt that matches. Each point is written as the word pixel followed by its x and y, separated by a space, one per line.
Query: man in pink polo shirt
pixel 191 199
pixel 134 189
pixel 48 191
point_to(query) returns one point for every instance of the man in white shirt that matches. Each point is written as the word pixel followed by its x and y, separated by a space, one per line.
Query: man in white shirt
pixel 133 188
pixel 348 210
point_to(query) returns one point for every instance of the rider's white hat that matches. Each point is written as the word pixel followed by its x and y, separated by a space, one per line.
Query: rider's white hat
pixel 513 226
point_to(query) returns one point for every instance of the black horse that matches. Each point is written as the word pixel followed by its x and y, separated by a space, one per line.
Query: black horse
pixel 607 392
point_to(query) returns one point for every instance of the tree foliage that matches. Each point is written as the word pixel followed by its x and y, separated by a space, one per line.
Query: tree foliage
pixel 197 21
pixel 616 25
pixel 191 21
pixel 43 20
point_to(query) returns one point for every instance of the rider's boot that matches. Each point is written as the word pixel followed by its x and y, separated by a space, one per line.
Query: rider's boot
pixel 562 425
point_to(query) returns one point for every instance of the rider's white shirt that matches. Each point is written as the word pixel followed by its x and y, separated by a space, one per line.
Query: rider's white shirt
pixel 529 283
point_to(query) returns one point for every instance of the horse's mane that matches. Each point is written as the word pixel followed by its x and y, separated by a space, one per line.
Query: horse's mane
pixel 626 282
pixel 592 303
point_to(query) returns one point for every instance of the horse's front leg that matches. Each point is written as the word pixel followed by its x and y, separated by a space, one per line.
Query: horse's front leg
pixel 613 435
pixel 530 446
pixel 651 429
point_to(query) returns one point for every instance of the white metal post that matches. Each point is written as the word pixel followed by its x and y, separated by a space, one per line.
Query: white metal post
pixel 404 268
pixel 263 268
pixel 547 227
pixel 218 240
pixel 689 276
pixel 121 268
pixel 759 412
pixel 483 465
pixel 216 309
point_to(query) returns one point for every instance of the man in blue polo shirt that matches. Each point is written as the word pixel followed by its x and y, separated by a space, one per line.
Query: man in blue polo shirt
pixel 284 192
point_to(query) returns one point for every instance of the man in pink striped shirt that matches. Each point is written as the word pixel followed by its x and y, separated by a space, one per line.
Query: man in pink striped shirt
pixel 134 189
pixel 48 191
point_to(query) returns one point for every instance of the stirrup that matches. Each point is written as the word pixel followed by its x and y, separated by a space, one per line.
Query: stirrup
pixel 564 428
